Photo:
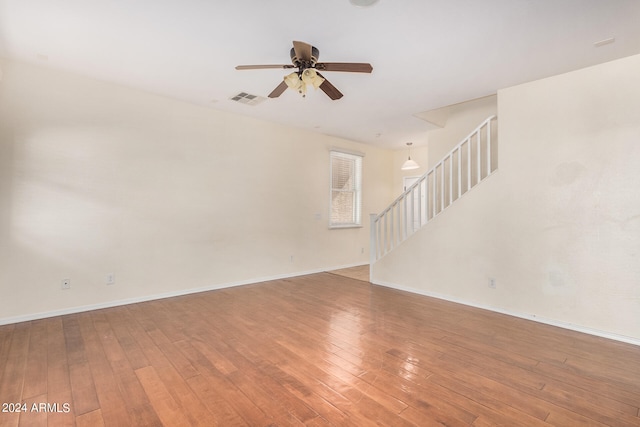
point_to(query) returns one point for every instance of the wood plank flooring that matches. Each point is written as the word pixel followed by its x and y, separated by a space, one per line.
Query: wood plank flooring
pixel 317 350
pixel 360 272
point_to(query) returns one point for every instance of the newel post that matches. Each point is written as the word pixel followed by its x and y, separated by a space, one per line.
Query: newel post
pixel 373 239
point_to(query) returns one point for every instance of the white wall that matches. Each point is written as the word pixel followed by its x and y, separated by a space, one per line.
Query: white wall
pixel 97 178
pixel 558 226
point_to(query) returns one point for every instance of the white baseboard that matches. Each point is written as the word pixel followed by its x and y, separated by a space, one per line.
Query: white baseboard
pixel 144 298
pixel 533 317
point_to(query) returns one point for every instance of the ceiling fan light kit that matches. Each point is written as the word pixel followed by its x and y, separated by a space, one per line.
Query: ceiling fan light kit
pixel 299 81
pixel 310 76
pixel 304 57
pixel 293 82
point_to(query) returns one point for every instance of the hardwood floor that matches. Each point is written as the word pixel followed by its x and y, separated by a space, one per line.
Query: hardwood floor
pixel 360 272
pixel 317 350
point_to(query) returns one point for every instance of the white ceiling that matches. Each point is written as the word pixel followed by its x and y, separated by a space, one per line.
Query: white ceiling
pixel 426 54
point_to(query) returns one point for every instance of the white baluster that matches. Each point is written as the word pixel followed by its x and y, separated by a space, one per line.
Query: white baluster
pixel 479 158
pixel 469 163
pixel 459 171
pixel 373 239
pixel 489 148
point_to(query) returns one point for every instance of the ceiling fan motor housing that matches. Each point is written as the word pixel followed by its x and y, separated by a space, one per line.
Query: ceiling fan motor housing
pixel 298 62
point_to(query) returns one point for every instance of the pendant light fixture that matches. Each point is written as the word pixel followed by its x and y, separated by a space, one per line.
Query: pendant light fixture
pixel 409 164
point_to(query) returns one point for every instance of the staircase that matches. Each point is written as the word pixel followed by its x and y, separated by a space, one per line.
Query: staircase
pixel 464 167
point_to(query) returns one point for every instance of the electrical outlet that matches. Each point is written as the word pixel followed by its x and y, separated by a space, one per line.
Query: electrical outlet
pixel 111 279
pixel 492 283
pixel 65 284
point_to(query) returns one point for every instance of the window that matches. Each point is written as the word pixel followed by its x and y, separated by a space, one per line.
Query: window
pixel 346 190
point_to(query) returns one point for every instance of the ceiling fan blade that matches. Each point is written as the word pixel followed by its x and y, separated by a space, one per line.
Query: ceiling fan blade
pixel 279 90
pixel 259 67
pixel 330 89
pixel 350 67
pixel 302 50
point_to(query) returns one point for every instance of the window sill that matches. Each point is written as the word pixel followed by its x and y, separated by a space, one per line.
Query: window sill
pixel 337 227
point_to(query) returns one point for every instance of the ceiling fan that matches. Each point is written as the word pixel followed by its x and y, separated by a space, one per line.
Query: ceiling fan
pixel 304 57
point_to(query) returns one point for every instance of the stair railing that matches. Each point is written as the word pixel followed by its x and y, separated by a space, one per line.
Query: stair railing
pixel 464 167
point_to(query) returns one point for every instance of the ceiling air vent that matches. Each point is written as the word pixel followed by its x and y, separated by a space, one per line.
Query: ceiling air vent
pixel 247 98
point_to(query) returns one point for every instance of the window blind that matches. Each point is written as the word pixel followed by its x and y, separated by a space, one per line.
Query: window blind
pixel 346 190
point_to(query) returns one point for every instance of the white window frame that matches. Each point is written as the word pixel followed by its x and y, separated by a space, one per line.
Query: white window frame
pixel 356 188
